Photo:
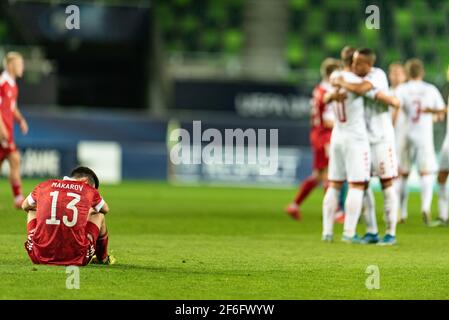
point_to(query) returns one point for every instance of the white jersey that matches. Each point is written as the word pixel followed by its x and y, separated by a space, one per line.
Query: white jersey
pixel 378 118
pixel 328 113
pixel 349 114
pixel 444 159
pixel 415 96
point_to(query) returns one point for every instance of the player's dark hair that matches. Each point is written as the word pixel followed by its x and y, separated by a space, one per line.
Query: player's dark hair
pixel 368 53
pixel 414 68
pixel 346 55
pixel 85 172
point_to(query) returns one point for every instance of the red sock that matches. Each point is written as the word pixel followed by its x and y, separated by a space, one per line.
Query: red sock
pixel 306 187
pixel 101 247
pixel 16 187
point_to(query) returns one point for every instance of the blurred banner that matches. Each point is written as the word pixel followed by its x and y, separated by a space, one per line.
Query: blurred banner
pixel 246 99
pixel 293 165
pixel 119 146
pixel 124 146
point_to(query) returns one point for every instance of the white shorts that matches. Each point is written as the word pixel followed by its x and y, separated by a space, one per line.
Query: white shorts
pixel 349 161
pixel 384 160
pixel 400 139
pixel 444 157
pixel 423 153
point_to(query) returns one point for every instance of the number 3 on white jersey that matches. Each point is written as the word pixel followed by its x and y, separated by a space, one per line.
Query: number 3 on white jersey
pixel 71 206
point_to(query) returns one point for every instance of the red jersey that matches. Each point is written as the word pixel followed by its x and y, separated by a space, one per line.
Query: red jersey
pixel 8 99
pixel 62 211
pixel 320 111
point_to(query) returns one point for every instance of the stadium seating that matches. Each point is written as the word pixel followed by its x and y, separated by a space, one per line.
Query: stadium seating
pixel 403 33
pixel 201 26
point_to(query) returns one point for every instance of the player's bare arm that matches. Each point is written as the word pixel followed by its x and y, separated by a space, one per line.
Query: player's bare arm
pixel 388 100
pixel 21 120
pixel 434 111
pixel 357 88
pixel 104 209
pixel 4 135
pixel 335 96
pixel 26 206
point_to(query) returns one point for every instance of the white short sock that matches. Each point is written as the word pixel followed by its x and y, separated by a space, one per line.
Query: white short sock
pixel 330 206
pixel 443 202
pixel 369 211
pixel 390 210
pixel 353 208
pixel 402 196
pixel 426 192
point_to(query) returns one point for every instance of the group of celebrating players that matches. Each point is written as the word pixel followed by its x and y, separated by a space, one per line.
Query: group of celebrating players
pixel 361 128
pixel 65 218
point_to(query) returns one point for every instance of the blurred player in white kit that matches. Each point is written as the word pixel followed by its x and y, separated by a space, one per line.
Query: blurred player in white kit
pixel 397 76
pixel 443 173
pixel 420 101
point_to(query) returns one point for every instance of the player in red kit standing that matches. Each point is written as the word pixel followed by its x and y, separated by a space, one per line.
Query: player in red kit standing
pixel 66 223
pixel 321 128
pixel 14 66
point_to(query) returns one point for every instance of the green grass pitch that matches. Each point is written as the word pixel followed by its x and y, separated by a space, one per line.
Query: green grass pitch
pixel 176 242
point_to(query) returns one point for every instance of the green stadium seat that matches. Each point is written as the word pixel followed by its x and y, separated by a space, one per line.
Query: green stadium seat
pixel 297 5
pixel 3 31
pixel 233 41
pixel 346 5
pixel 370 37
pixel 315 55
pixel 334 42
pixel 174 45
pixel 189 23
pixel 404 21
pixel 441 45
pixel 391 55
pixel 424 44
pixel 217 12
pixel 315 22
pixel 182 3
pixel 165 18
pixel 210 40
pixel 295 51
pixel 209 25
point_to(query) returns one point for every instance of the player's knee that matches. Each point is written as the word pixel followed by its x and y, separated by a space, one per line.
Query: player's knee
pixel 322 175
pixel 335 184
pixel 442 177
pixel 97 219
pixel 359 186
pixel 386 183
pixel 14 160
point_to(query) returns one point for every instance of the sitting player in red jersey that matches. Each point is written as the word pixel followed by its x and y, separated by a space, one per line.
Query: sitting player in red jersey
pixel 14 67
pixel 320 134
pixel 66 223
